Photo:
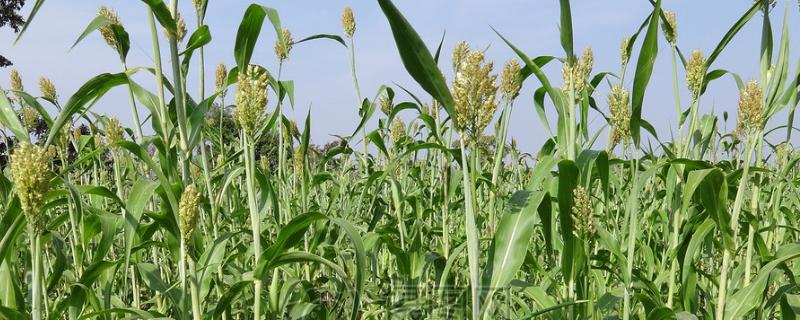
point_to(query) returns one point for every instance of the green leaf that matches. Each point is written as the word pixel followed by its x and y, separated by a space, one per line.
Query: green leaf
pixel 12 223
pixel 644 69
pixel 511 241
pixel 377 139
pixel 228 297
pixel 417 60
pixel 732 32
pixel 361 263
pixel 96 23
pixel 32 102
pixel 287 89
pixel 9 119
pixel 138 197
pixel 34 11
pixel 555 94
pixel 748 298
pixel 568 176
pixel 199 38
pixel 323 36
pixel 162 14
pixel 566 29
pixel 151 276
pixel 119 33
pixel 306 137
pixel 249 30
pixel 211 261
pixel 122 39
pixel 86 95
pixel 138 313
pixel 150 101
pixel 711 188
pixel 11 314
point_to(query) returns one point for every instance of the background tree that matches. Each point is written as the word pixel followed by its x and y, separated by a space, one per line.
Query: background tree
pixel 9 16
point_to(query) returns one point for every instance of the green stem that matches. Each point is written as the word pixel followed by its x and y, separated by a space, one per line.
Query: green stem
pixel 571 125
pixel 138 127
pixel 633 224
pixel 754 197
pixel 118 182
pixel 673 253
pixel 36 288
pixel 737 208
pixel 194 290
pixel 159 77
pixel 676 93
pixel 471 228
pixel 180 106
pixel 499 151
pixel 358 99
pixel 201 63
pixel 249 148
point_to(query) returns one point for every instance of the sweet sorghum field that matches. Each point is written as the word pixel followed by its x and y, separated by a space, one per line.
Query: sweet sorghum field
pixel 215 205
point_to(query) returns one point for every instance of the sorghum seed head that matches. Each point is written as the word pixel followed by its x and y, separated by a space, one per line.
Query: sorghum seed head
pixel 587 60
pixel 614 139
pixel 30 117
pixel 106 31
pixel 114 131
pixel 189 212
pixel 298 162
pixel 510 83
pixel 751 108
pixel 293 130
pixel 194 171
pixel 425 109
pixel 251 98
pixel 582 212
pixel 782 153
pixel 624 50
pixel 47 89
pixel 99 142
pixel 576 73
pixel 460 52
pixel 695 72
pixel 66 133
pixel 198 4
pixel 52 151
pixel 348 22
pixel 770 71
pixel 670 26
pixel 288 41
pixel 474 91
pixel 386 104
pixel 619 104
pixel 398 130
pixel 16 85
pixel 288 132
pixel 435 110
pixel 76 134
pixel 16 80
pixel 30 168
pixel 221 78
pixel 180 29
pixel 769 4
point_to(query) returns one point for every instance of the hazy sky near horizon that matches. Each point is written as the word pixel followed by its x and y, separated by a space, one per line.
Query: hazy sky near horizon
pixel 321 72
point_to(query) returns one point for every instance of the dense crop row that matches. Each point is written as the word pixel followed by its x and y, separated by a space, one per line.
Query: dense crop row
pixel 215 205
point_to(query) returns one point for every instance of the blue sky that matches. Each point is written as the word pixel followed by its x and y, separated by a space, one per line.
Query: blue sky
pixel 321 72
